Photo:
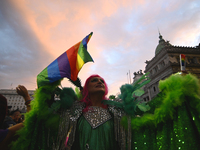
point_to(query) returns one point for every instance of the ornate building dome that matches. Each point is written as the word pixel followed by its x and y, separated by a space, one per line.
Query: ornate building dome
pixel 162 44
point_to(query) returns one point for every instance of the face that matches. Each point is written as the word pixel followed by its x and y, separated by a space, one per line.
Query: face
pixel 17 116
pixel 96 84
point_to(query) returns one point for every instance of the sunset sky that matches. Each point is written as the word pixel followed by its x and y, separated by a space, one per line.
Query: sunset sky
pixel 33 33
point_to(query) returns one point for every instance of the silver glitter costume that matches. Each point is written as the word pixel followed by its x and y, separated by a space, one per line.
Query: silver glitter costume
pixel 95 116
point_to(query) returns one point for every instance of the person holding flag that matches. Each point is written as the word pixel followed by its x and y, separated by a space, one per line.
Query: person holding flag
pixel 87 120
pixel 72 122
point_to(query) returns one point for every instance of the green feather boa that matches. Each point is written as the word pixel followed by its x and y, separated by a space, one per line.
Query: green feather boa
pixel 175 90
pixel 41 123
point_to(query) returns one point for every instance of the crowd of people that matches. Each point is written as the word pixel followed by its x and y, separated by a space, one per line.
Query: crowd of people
pixel 10 122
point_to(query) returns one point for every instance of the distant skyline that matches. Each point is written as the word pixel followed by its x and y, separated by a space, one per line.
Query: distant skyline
pixel 125 35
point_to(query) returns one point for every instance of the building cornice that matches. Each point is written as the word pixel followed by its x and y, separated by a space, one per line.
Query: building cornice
pixel 171 49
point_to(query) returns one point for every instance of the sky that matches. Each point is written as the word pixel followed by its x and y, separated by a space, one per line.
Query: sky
pixel 33 33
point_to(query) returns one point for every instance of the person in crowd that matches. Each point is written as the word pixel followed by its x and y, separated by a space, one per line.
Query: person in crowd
pixel 21 119
pixel 12 119
pixel 8 135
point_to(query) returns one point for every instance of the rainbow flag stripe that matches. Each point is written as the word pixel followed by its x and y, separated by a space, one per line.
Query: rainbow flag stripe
pixel 182 62
pixel 66 65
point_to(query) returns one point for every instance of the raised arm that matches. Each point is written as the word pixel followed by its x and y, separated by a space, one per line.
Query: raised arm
pixel 21 90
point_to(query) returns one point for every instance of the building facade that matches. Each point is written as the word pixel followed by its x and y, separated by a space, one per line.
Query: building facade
pixel 14 100
pixel 167 62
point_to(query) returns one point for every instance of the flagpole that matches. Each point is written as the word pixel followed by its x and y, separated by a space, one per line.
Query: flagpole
pixel 130 76
pixel 127 77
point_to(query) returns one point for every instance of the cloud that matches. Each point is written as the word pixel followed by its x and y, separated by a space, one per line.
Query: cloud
pixel 34 33
pixel 21 52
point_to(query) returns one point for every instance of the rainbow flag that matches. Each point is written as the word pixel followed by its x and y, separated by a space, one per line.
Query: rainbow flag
pixel 182 62
pixel 66 65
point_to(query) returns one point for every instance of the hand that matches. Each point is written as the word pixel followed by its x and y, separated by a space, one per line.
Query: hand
pixel 184 71
pixel 21 90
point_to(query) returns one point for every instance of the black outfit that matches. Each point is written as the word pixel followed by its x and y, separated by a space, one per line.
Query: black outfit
pixel 8 122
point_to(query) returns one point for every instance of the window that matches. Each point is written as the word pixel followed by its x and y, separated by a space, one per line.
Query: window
pixel 154 88
pixel 147 98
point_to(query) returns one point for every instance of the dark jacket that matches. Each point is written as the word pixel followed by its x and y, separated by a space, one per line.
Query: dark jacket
pixel 8 122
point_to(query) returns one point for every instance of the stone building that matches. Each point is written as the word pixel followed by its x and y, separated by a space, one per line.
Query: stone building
pixel 167 62
pixel 137 76
pixel 14 100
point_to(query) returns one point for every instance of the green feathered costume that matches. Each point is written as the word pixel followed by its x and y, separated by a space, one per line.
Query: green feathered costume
pixel 173 122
